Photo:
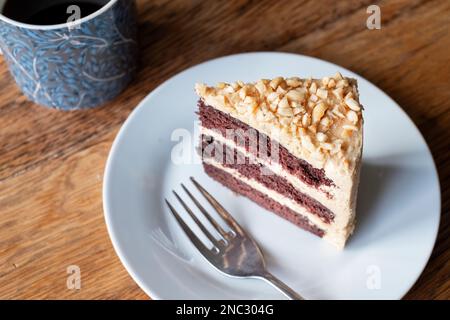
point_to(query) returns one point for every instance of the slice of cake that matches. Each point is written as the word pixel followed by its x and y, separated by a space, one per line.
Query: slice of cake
pixel 291 145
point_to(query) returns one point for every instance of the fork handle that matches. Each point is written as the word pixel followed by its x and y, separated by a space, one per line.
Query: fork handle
pixel 281 286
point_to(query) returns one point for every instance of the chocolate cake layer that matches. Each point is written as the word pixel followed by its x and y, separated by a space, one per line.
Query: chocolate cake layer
pixel 233 159
pixel 214 119
pixel 264 201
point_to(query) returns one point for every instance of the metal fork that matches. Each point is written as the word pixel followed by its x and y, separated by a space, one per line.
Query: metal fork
pixel 236 253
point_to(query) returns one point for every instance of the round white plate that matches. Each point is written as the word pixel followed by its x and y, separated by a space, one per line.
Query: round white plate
pixel 398 206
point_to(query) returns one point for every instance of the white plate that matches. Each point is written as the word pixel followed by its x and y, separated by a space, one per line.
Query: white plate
pixel 398 207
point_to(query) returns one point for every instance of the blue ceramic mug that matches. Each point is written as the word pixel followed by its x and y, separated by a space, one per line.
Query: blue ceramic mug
pixel 76 65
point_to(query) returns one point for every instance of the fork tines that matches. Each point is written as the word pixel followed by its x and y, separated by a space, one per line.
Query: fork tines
pixel 225 235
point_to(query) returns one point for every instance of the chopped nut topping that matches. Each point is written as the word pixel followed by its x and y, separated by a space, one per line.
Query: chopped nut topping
pixel 342 83
pixel 235 86
pixel 313 88
pixel 320 115
pixel 286 112
pixel 352 116
pixel 275 83
pixel 347 133
pixel 260 86
pixel 318 112
pixel 331 84
pixel 352 104
pixel 284 104
pixel 350 127
pixel 306 120
pixel 250 101
pixel 338 93
pixel 338 76
pixel 325 81
pixel 337 112
pixel 294 82
pixel 281 90
pixel 296 95
pixel 322 93
pixel 322 137
pixel 243 93
pixel 325 123
pixel 221 85
pixel 298 110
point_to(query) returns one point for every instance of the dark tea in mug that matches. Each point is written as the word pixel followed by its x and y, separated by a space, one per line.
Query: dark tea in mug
pixel 49 12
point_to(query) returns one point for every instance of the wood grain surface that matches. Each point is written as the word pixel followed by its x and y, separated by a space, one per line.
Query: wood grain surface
pixel 51 162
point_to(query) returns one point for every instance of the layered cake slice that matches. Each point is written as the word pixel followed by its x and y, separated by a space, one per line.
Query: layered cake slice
pixel 291 145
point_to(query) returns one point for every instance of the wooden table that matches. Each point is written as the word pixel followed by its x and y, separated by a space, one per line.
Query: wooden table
pixel 51 163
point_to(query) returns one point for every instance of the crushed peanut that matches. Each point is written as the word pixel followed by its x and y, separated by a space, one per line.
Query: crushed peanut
pixel 318 112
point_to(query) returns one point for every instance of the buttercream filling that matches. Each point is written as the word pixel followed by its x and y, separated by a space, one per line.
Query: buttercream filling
pixel 262 199
pixel 232 159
